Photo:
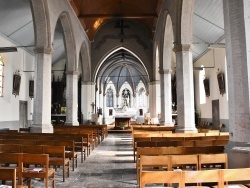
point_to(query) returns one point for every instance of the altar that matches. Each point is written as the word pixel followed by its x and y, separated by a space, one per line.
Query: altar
pixel 123 117
pixel 122 122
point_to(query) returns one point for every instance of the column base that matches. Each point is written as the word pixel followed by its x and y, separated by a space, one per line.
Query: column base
pixel 41 128
pixel 186 130
pixel 233 155
pixel 170 124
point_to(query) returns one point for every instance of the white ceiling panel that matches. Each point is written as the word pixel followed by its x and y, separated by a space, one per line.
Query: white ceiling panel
pixel 205 30
pixel 25 35
pixel 14 14
pixel 211 11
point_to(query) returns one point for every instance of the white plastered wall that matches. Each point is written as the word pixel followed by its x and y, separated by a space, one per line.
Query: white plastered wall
pixel 14 61
pixel 213 58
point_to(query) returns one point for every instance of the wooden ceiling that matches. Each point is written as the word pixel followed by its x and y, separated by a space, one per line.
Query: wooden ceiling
pixel 94 13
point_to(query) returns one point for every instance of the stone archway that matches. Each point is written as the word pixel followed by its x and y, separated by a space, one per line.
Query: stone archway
pixel 165 71
pixel 71 67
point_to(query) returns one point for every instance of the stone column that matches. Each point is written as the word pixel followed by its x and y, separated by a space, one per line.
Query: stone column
pixel 185 89
pixel 71 98
pixel 154 100
pixel 166 100
pixel 87 99
pixel 42 92
pixel 237 28
pixel 104 109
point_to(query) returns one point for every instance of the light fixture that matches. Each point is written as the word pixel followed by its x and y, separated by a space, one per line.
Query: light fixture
pixel 12 48
pixel 8 49
pixel 218 45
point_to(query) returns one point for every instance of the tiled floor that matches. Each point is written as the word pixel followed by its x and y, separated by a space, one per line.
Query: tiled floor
pixel 109 165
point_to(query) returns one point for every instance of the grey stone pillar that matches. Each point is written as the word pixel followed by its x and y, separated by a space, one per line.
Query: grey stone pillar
pixel 71 98
pixel 154 100
pixel 237 29
pixel 166 100
pixel 185 89
pixel 104 109
pixel 42 92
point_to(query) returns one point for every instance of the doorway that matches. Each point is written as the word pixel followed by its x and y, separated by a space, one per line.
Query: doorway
pixel 23 114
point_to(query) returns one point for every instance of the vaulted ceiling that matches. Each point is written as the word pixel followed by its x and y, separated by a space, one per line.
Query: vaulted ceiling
pixel 94 13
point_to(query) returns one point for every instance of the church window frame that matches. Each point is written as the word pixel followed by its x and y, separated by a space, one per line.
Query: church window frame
pixel 110 98
pixel 142 97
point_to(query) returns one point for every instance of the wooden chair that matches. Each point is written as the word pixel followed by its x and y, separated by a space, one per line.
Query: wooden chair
pixel 8 174
pixel 57 158
pixel 160 177
pixel 69 151
pixel 208 161
pixel 184 162
pixel 10 148
pixel 200 177
pixel 151 162
pixel 46 173
pixel 232 176
pixel 11 160
pixel 32 149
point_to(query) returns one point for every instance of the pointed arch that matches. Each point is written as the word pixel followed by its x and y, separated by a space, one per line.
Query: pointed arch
pixel 69 39
pixel 40 14
pixel 84 59
pixel 167 38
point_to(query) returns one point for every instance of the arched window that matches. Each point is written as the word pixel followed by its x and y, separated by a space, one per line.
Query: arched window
pixel 109 97
pixel 142 101
pixel 1 75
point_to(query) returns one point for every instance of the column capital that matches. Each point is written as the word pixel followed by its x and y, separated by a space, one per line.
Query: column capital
pixel 182 47
pixel 165 71
pixel 88 83
pixel 154 82
pixel 43 50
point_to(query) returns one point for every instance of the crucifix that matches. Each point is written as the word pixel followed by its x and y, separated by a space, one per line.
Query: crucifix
pixel 120 24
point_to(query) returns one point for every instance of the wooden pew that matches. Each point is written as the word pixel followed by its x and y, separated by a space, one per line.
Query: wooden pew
pixel 69 148
pixel 218 177
pixel 82 143
pixel 176 151
pixel 162 177
pixel 10 148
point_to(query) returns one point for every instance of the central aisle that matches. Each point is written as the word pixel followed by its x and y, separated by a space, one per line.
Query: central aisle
pixel 109 165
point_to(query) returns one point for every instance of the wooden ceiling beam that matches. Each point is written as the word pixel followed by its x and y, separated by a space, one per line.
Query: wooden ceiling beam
pixel 109 16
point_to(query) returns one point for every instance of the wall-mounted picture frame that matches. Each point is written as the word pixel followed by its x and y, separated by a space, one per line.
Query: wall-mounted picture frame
pixel 16 84
pixel 206 87
pixel 110 112
pixel 221 83
pixel 31 89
